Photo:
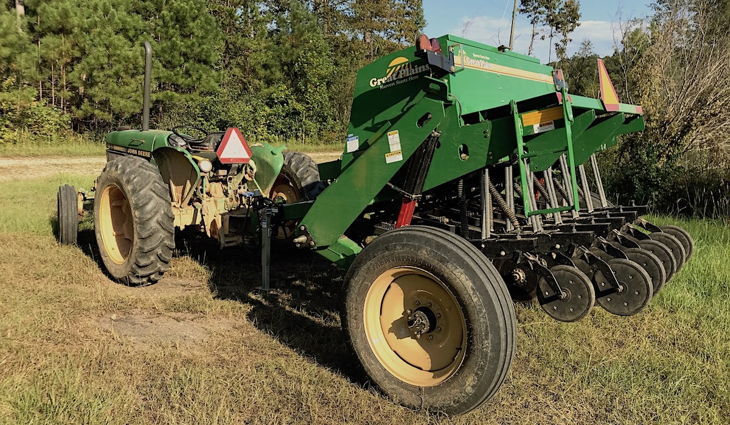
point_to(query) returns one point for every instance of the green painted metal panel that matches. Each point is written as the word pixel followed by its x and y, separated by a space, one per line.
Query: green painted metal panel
pixel 268 161
pixel 137 139
pixel 597 104
pixel 384 90
pixel 448 163
pixel 337 207
pixel 545 148
pixel 486 78
pixel 632 124
pixel 329 170
pixel 342 252
pixel 586 102
pixel 597 137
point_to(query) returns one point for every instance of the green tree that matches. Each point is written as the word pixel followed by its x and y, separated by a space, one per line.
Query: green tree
pixel 536 12
pixel 581 72
pixel 563 21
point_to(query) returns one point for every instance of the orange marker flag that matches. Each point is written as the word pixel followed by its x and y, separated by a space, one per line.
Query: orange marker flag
pixel 608 93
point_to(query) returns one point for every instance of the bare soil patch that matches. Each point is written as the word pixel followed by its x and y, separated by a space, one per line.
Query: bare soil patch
pixel 180 329
pixel 16 168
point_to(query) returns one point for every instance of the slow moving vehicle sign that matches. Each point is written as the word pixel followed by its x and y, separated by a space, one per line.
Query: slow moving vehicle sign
pixel 233 148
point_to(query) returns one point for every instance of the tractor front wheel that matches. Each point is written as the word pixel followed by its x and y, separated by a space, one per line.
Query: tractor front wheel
pixel 430 319
pixel 133 221
pixel 67 215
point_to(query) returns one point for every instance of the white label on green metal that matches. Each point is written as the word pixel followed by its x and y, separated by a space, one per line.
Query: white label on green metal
pixel 353 143
pixel 394 141
pixel 546 126
pixel 393 157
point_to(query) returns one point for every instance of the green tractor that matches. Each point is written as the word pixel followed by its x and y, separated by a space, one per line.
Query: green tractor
pixel 468 179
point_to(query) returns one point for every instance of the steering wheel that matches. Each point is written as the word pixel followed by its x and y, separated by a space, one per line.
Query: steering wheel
pixel 188 138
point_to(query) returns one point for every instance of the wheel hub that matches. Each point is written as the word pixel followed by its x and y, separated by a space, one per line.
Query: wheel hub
pixel 421 321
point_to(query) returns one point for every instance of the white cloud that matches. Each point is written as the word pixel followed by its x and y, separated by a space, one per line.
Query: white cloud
pixel 495 31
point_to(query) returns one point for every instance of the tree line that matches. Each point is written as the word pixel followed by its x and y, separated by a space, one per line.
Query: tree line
pixel 279 68
pixel 284 70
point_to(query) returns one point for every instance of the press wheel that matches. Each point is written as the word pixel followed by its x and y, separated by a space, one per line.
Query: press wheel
pixel 663 253
pixel 577 297
pixel 672 243
pixel 635 290
pixel 651 264
pixel 684 237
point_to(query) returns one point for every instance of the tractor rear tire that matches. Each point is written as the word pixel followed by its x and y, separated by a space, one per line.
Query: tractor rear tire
pixel 67 214
pixel 430 319
pixel 298 180
pixel 133 221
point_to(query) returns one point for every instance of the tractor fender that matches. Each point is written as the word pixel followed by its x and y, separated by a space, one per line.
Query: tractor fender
pixel 179 171
pixel 268 161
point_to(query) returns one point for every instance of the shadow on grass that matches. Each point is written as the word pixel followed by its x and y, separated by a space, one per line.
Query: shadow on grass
pixel 86 240
pixel 301 311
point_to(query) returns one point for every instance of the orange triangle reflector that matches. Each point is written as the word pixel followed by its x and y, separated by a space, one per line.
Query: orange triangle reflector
pixel 608 93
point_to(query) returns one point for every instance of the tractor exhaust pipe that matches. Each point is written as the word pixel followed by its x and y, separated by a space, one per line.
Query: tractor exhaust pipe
pixel 147 82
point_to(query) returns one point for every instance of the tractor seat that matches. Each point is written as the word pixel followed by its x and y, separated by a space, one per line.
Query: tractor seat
pixel 209 142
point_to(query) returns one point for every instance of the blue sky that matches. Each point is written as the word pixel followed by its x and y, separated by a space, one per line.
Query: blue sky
pixel 488 21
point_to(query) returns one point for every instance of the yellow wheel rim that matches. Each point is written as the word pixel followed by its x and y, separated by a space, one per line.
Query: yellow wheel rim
pixel 116 224
pixel 284 190
pixel 415 326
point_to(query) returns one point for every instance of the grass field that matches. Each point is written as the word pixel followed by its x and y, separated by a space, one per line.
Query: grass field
pixel 201 347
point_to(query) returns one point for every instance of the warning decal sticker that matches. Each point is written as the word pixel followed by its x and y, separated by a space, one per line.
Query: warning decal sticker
pixel 394 140
pixel 393 157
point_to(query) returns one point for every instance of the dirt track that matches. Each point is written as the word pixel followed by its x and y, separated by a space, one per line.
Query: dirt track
pixel 19 168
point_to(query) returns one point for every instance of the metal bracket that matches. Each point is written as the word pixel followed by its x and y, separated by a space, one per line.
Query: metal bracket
pixel 555 257
pixel 610 249
pixel 647 226
pixel 265 215
pixel 624 239
pixel 597 264
pixel 537 265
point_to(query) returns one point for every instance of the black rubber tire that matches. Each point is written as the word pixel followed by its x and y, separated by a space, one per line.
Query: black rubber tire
pixel 302 172
pixel 651 264
pixel 478 289
pixel 67 215
pixel 579 290
pixel 616 303
pixel 684 237
pixel 299 172
pixel 662 252
pixel 672 243
pixel 153 221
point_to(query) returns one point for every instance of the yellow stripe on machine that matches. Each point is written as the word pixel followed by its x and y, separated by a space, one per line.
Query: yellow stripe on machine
pixel 504 70
pixel 543 116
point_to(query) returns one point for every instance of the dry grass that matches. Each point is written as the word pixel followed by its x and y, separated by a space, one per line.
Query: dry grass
pixel 203 346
